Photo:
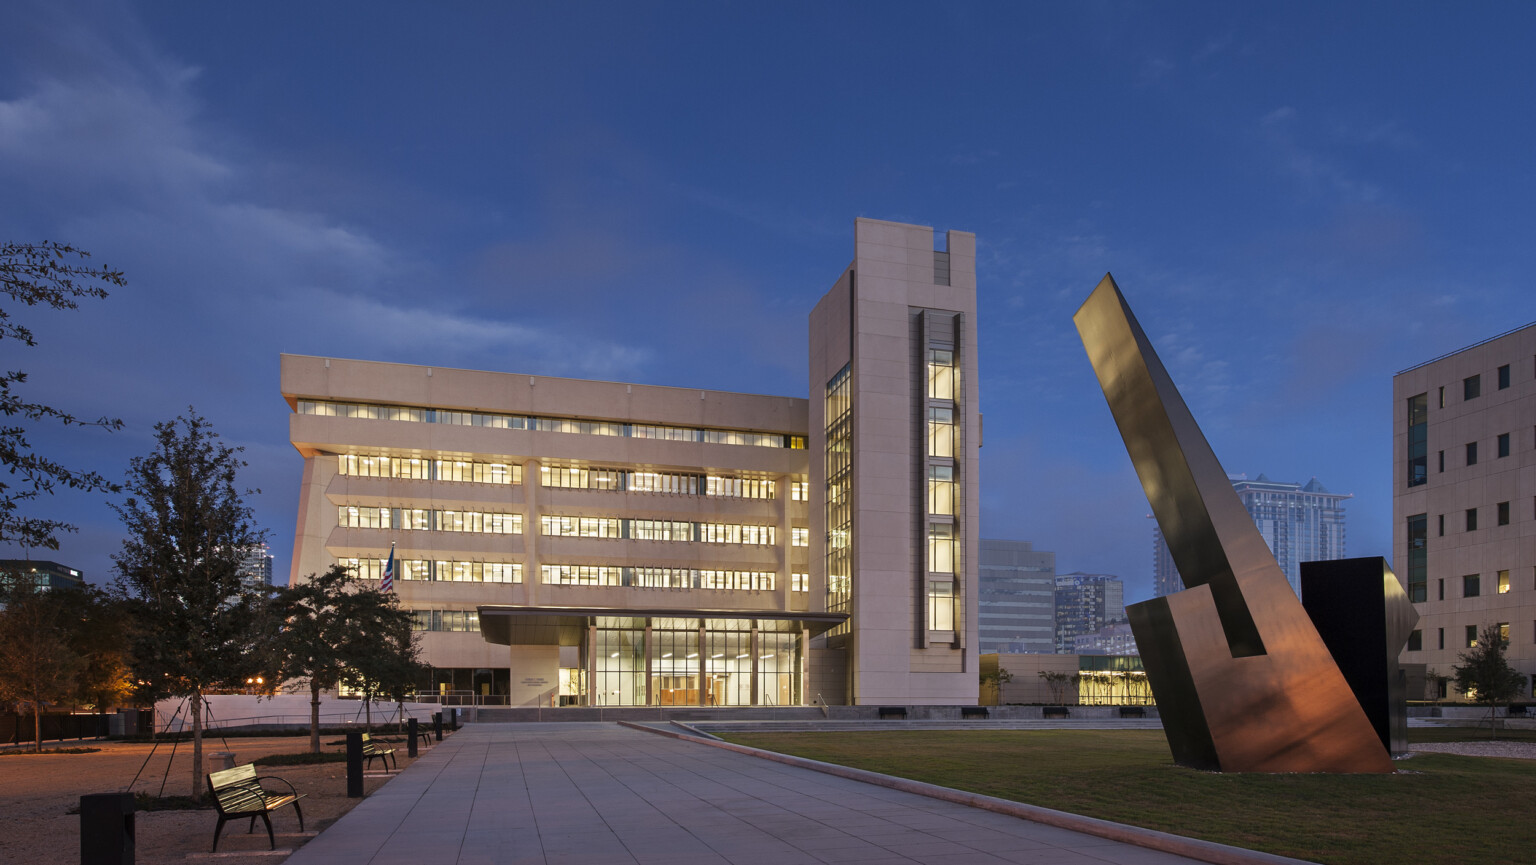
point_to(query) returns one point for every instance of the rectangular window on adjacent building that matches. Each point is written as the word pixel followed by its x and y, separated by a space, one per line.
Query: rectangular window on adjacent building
pixel 1416 641
pixel 1471 387
pixel 1471 519
pixel 1418 572
pixel 1503 513
pixel 1442 461
pixel 799 537
pixel 942 374
pixel 1503 582
pixel 1503 445
pixel 941 432
pixel 1471 586
pixel 941 548
pixel 941 605
pixel 1442 397
pixel 800 491
pixel 1471 453
pixel 1504 376
pixel 941 490
pixel 800 582
pixel 1471 636
pixel 1504 632
pixel 1442 525
pixel 1442 638
pixel 1418 439
pixel 1441 584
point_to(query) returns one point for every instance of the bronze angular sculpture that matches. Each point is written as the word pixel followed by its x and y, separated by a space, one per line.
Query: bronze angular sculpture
pixel 1243 681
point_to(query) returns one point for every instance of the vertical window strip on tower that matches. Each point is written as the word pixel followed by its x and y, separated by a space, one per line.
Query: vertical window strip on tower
pixel 839 501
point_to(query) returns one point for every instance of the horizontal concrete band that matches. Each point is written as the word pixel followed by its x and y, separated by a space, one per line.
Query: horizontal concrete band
pixel 1193 848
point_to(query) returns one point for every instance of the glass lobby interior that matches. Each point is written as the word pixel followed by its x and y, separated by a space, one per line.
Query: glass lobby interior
pixel 668 660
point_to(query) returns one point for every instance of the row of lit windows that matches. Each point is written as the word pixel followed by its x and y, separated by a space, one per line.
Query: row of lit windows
pixel 1472 585
pixel 441 571
pixel 1416 638
pixel 423 519
pixel 666 578
pixel 445 620
pixel 660 530
pixel 678 483
pixel 325 408
pixel 414 468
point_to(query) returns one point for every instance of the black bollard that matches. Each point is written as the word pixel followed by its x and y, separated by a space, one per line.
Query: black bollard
pixel 437 725
pixel 354 765
pixel 106 829
pixel 410 731
pixel 453 720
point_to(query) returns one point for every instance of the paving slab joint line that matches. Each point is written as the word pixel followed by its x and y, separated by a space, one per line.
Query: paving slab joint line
pixel 1192 848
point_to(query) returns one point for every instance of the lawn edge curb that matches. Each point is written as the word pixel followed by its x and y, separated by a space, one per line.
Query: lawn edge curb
pixel 1193 848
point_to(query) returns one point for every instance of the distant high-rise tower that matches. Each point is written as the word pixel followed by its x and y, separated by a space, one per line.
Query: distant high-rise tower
pixel 1085 603
pixel 256 569
pixel 1018 586
pixel 1300 524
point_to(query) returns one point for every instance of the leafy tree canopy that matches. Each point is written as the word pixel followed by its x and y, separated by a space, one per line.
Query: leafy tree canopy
pixel 50 275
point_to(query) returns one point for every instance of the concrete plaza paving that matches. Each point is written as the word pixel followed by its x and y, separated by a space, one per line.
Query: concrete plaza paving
pixel 598 793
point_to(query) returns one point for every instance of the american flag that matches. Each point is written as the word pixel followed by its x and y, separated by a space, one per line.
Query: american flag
pixel 387 579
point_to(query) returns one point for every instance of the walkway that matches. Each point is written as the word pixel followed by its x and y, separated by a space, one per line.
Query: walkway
pixel 597 793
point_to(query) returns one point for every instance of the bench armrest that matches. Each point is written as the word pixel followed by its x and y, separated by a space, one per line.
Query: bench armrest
pixel 261 778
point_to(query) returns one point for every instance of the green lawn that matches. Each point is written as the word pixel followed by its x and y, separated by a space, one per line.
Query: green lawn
pixel 1439 808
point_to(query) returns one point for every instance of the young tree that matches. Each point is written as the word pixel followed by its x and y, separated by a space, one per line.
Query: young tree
pixel 1485 674
pixel 41 274
pixel 188 532
pixel 101 639
pixel 38 661
pixel 387 660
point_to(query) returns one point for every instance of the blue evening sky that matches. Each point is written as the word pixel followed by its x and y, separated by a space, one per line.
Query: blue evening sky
pixel 1297 199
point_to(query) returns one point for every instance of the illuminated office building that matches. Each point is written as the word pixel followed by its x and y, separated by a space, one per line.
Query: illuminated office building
pixel 568 542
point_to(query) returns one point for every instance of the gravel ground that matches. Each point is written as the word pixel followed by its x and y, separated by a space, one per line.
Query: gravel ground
pixel 1517 750
pixel 37 791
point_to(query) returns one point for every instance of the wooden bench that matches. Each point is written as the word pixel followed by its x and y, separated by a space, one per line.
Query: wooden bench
pixel 1132 712
pixel 238 793
pixel 973 712
pixel 373 752
pixel 892 712
pixel 1055 712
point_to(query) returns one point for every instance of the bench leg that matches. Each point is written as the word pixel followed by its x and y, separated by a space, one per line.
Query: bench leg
pixel 251 828
pixel 216 833
pixel 299 812
pixel 395 759
pixel 271 839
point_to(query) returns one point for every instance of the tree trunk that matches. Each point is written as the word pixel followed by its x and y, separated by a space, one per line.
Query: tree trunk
pixel 314 717
pixel 197 744
pixel 368 713
pixel 37 727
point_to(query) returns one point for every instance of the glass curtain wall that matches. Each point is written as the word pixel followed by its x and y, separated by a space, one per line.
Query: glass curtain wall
pixel 728 662
pixel 839 506
pixel 778 664
pixel 618 665
pixel 675 662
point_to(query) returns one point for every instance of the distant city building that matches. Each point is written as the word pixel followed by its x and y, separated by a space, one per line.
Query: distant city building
pixel 46 575
pixel 1462 505
pixel 1112 639
pixel 1300 524
pixel 1017 602
pixel 256 569
pixel 1084 604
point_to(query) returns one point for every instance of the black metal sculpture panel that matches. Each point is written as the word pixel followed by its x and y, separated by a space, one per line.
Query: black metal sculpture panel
pixel 1243 681
pixel 1364 618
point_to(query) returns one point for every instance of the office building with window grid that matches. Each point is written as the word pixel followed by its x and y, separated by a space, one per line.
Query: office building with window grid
pixel 569 542
pixel 1299 522
pixel 1464 503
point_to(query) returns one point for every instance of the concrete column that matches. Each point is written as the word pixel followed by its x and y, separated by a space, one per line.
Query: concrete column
pixel 752 651
pixel 532 578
